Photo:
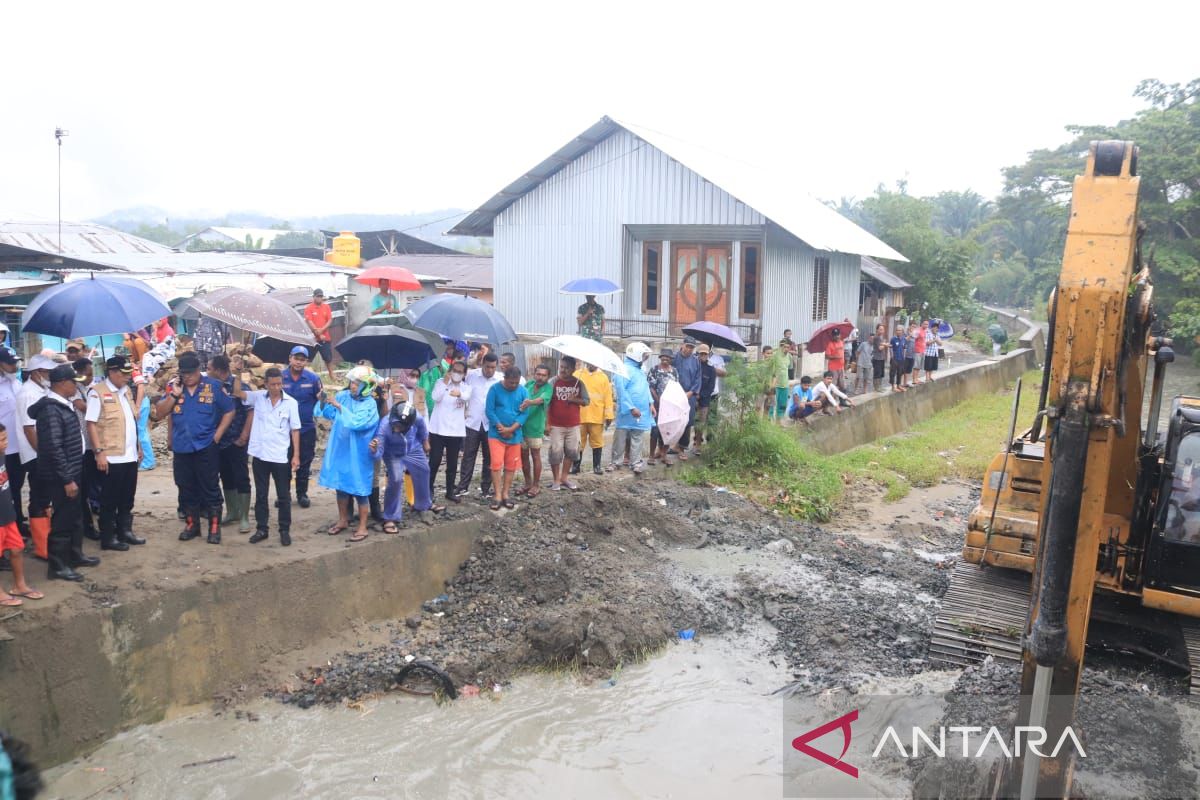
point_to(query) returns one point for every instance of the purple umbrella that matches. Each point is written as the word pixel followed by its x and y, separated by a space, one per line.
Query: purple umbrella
pixel 714 334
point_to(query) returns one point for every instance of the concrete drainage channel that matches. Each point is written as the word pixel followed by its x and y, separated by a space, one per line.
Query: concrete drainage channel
pixel 72 680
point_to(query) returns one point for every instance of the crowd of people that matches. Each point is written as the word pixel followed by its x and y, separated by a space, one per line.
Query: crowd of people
pixel 77 439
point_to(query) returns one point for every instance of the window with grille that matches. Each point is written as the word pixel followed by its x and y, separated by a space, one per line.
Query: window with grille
pixel 751 295
pixel 651 277
pixel 820 307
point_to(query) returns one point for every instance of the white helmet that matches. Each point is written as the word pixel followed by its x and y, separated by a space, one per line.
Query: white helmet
pixel 637 351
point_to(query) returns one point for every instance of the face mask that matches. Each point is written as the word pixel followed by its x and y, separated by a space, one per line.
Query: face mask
pixel 408 381
pixel 456 377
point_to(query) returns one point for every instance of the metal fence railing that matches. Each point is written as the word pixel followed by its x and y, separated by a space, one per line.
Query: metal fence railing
pixel 618 328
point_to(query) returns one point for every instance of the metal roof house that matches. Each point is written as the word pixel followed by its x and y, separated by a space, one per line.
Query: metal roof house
pixel 688 235
pixel 881 295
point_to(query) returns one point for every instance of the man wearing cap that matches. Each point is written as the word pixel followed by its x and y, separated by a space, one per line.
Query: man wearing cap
pixel 60 471
pixel 688 368
pixel 112 432
pixel 10 390
pixel 90 488
pixel 231 453
pixel 319 317
pixel 34 389
pixel 304 386
pixel 76 349
pixel 200 413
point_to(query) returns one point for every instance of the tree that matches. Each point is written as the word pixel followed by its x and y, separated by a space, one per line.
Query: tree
pixel 296 239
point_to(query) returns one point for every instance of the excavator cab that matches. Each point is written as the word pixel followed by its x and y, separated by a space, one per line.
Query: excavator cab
pixel 1173 563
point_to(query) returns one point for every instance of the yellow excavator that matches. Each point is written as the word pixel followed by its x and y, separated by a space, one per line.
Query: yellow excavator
pixel 1089 522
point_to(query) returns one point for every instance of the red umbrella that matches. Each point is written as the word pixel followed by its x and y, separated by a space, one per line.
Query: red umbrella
pixel 399 279
pixel 821 337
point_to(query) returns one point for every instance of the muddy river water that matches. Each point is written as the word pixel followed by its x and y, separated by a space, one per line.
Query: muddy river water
pixel 692 722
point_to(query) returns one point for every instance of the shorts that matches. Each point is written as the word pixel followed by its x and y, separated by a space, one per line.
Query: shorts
pixel 931 363
pixel 325 350
pixel 704 402
pixel 908 366
pixel 877 369
pixel 531 443
pixel 798 412
pixel 347 497
pixel 564 443
pixel 591 433
pixel 10 538
pixel 504 455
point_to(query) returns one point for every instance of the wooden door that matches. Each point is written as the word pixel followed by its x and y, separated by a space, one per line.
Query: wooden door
pixel 700 277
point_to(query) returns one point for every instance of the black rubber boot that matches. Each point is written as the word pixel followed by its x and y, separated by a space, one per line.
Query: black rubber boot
pixel 75 556
pixel 214 526
pixel 575 465
pixel 258 536
pixel 125 530
pixel 192 529
pixel 302 494
pixel 376 509
pixel 109 539
pixel 285 537
pixel 597 458
pixel 59 563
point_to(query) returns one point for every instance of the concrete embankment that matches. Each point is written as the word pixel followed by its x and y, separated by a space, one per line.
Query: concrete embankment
pixel 74 674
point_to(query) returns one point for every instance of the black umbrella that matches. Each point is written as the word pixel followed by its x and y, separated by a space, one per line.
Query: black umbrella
pixel 389 346
pixel 461 318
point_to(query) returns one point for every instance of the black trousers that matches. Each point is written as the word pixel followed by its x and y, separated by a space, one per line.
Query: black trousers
pixel 235 471
pixel 198 481
pixel 118 487
pixel 474 441
pixel 66 524
pixel 449 445
pixel 16 482
pixel 264 473
pixel 88 486
pixel 308 449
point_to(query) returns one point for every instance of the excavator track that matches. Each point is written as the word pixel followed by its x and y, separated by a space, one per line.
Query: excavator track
pixel 983 614
pixel 1191 638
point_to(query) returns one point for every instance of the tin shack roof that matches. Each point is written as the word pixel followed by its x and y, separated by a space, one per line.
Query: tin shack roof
pixel 772 192
pixel 876 271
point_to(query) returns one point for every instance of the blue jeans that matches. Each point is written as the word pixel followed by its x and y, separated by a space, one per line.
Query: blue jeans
pixel 143 431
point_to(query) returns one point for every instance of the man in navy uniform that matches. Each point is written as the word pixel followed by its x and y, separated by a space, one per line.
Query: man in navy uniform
pixel 304 386
pixel 200 413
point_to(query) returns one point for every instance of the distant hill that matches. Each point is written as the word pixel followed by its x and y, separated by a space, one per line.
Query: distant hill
pixel 157 224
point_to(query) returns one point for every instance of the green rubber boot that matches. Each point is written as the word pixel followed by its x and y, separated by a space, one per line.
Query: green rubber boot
pixel 231 508
pixel 244 509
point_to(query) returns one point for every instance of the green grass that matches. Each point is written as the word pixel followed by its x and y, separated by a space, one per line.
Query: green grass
pixel 770 464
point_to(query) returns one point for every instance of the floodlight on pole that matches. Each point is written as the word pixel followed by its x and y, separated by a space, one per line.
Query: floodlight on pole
pixel 59 133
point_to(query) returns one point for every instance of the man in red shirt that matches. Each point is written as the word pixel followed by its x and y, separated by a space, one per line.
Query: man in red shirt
pixel 835 358
pixel 319 317
pixel 919 364
pixel 562 417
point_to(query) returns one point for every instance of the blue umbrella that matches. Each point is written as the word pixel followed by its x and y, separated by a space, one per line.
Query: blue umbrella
pixel 389 347
pixel 460 318
pixel 94 306
pixel 590 286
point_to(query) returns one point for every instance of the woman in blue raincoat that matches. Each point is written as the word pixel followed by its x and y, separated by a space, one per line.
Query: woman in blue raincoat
pixel 347 466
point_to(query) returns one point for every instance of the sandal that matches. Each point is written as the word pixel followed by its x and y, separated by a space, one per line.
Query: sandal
pixel 358 537
pixel 437 509
pixel 11 602
pixel 495 506
pixel 389 527
pixel 524 490
pixel 509 504
pixel 532 493
pixel 32 594
pixel 336 528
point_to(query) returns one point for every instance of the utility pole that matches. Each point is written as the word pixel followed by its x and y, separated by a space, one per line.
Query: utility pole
pixel 59 133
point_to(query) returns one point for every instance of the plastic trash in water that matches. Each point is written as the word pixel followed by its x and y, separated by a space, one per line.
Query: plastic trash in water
pixel 687 635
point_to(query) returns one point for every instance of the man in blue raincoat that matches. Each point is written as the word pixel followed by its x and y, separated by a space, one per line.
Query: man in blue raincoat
pixel 347 466
pixel 633 409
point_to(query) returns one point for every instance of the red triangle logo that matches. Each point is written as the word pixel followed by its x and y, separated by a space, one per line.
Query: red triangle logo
pixel 843 722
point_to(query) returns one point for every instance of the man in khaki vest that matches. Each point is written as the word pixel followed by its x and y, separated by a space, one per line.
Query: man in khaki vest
pixel 112 430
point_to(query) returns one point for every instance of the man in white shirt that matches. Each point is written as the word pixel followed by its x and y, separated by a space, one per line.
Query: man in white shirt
pixel 479 381
pixel 830 396
pixel 35 388
pixel 274 429
pixel 112 436
pixel 10 388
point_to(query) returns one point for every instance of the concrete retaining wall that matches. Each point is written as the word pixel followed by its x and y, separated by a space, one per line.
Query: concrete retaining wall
pixel 69 682
pixel 878 415
pixel 1029 333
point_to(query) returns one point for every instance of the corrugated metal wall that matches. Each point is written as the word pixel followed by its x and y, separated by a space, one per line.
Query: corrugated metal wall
pixel 573 226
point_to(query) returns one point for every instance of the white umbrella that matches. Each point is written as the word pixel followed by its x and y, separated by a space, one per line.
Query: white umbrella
pixel 673 413
pixel 588 351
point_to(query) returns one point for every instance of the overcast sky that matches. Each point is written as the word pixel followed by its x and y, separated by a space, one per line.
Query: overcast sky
pixel 303 108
